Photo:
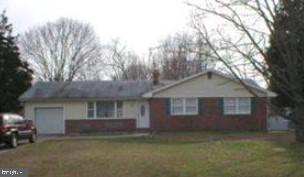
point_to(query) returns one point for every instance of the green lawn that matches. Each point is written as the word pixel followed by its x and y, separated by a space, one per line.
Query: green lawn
pixel 193 154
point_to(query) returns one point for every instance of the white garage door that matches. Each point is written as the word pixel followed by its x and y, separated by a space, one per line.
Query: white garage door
pixel 49 120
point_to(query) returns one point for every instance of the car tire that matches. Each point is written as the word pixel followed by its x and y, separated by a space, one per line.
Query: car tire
pixel 33 137
pixel 13 142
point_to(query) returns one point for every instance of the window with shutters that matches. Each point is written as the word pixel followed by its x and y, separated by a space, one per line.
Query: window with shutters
pixel 237 106
pixel 184 106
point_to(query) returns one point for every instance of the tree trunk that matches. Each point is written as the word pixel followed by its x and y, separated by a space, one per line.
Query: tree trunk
pixel 299 128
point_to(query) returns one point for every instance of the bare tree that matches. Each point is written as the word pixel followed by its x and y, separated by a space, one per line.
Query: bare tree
pixel 123 64
pixel 63 50
pixel 181 55
pixel 242 40
pixel 137 70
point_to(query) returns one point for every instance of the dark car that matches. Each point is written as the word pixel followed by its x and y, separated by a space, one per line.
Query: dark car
pixel 14 127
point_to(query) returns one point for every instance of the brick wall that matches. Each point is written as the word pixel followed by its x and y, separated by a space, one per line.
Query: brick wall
pixel 211 117
pixel 97 126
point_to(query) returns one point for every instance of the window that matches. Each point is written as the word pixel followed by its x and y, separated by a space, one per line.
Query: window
pixel 191 105
pixel 17 119
pixel 177 106
pixel 105 109
pixel 184 106
pixel 12 119
pixel 91 109
pixel 239 106
pixel 7 119
pixel 229 105
pixel 244 105
pixel 142 110
pixel 119 109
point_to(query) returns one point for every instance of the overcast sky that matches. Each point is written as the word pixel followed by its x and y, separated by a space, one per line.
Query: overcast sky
pixel 140 23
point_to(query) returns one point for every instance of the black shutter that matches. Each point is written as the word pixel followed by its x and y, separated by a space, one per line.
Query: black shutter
pixel 200 106
pixel 253 105
pixel 168 106
pixel 221 106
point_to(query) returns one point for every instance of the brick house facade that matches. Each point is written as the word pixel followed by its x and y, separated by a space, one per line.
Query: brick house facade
pixel 210 117
pixel 96 126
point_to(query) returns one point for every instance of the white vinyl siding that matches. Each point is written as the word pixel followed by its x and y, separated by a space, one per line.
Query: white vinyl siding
pixel 184 106
pixel 237 106
pixel 202 87
pixel 78 110
pixel 105 109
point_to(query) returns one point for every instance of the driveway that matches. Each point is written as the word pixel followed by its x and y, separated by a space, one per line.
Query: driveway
pixel 4 148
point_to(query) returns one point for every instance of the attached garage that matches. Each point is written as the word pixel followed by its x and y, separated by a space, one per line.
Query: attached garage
pixel 49 120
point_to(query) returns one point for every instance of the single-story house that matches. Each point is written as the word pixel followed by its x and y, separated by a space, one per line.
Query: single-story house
pixel 209 100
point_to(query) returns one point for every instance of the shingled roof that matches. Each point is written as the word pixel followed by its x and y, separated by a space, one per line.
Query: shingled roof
pixel 87 89
pixel 129 89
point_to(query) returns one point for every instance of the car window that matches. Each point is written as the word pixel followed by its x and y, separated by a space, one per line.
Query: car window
pixel 17 119
pixel 7 119
pixel 12 119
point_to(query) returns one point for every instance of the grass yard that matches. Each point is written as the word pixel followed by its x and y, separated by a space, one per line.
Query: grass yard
pixel 204 154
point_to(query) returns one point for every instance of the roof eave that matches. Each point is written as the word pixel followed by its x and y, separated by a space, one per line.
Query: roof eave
pixel 271 94
pixel 147 95
pixel 80 99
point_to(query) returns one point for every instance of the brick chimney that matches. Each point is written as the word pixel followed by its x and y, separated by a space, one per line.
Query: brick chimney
pixel 156 75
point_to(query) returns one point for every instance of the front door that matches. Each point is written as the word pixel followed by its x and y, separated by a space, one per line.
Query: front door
pixel 143 120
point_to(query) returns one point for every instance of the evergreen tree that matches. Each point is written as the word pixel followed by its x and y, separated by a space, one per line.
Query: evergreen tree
pixel 287 39
pixel 286 60
pixel 288 35
pixel 15 75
